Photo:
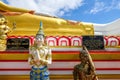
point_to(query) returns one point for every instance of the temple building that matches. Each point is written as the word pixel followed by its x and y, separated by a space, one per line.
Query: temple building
pixel 65 38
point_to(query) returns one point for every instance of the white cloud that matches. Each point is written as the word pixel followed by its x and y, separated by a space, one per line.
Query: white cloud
pixel 99 6
pixel 51 7
pixel 105 6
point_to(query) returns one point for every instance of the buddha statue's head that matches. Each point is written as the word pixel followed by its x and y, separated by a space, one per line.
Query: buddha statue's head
pixel 3 20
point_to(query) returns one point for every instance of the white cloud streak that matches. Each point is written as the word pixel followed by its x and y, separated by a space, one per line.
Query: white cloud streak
pixel 105 6
pixel 51 7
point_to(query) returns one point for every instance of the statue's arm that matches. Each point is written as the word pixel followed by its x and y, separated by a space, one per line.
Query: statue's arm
pixel 30 58
pixel 7 29
pixel 48 59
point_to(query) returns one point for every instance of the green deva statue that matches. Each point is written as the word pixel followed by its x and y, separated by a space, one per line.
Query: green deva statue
pixel 40 57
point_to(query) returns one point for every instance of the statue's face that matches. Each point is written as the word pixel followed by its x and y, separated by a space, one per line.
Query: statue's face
pixel 84 57
pixel 2 20
pixel 39 39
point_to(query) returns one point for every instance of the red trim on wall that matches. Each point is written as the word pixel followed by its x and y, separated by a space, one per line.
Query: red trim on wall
pixel 60 60
pixel 56 69
pixel 64 52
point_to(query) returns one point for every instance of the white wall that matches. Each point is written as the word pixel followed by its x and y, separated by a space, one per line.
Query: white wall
pixel 112 28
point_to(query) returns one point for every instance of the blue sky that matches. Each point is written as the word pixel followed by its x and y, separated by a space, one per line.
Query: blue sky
pixel 94 11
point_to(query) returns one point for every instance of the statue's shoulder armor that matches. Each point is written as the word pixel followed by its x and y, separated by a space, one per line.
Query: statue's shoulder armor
pixel 79 67
pixel 46 47
pixel 32 47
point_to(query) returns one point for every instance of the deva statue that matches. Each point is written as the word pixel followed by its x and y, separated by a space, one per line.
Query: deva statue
pixel 4 30
pixel 40 57
pixel 85 70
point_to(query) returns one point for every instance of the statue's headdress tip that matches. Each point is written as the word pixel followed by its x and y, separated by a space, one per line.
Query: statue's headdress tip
pixel 41 24
pixel 40 31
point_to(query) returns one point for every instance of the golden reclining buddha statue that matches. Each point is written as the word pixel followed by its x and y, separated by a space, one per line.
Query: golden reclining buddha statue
pixel 27 22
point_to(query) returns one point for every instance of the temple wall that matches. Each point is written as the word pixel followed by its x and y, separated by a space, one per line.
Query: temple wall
pixel 64 37
pixel 109 41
